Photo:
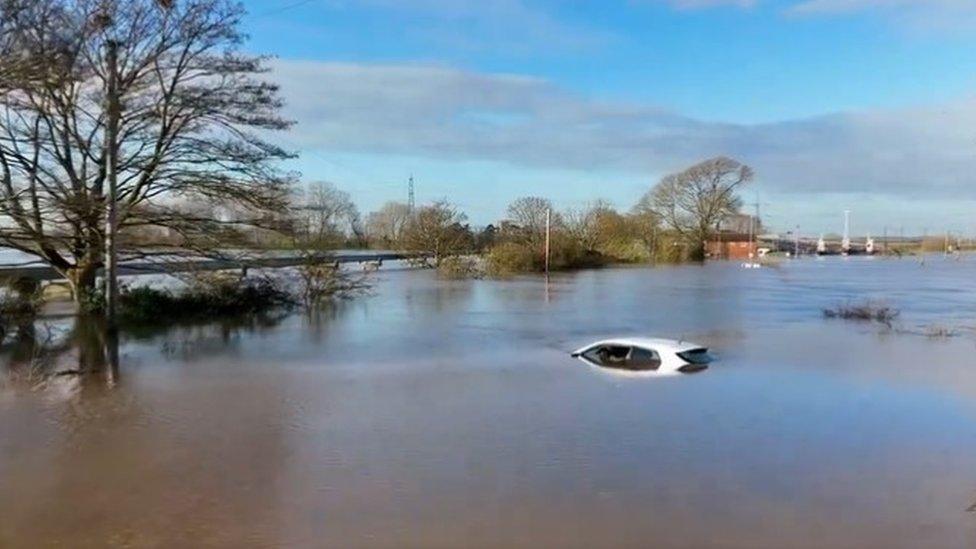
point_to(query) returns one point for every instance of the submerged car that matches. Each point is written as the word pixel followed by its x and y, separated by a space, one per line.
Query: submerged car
pixel 649 356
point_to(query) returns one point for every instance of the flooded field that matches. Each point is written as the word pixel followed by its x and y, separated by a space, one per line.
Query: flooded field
pixel 449 413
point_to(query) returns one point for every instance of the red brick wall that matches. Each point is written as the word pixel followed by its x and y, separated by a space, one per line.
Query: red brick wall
pixel 736 249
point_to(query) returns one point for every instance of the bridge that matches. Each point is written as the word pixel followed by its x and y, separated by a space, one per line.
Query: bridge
pixel 834 245
pixel 173 265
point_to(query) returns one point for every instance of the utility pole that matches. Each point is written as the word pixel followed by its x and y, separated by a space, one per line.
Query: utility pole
pixel 112 115
pixel 796 242
pixel 758 216
pixel 548 232
pixel 845 243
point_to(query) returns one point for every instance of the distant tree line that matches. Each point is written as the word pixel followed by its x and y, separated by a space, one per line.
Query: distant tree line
pixel 671 222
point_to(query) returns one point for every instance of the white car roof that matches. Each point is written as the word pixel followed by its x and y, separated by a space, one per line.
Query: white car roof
pixel 658 344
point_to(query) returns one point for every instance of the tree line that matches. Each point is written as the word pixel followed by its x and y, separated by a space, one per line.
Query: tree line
pixel 671 222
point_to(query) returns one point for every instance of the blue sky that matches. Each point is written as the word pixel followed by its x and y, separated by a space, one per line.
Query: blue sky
pixel 861 104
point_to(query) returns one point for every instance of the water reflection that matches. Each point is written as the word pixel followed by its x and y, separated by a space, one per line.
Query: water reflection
pixel 82 347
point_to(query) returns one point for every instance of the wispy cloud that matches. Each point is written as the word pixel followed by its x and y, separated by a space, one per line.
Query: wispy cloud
pixel 445 113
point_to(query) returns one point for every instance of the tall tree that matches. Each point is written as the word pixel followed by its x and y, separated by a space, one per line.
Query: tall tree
pixel 193 113
pixel 694 201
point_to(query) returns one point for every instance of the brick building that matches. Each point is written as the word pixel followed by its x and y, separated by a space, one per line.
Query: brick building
pixel 731 246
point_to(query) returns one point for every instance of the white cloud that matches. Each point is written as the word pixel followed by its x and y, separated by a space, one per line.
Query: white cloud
pixel 449 114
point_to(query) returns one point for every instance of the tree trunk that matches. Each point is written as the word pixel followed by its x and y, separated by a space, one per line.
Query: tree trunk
pixel 697 252
pixel 81 278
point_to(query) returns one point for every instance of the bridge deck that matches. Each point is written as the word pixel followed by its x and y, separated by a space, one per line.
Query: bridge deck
pixel 44 272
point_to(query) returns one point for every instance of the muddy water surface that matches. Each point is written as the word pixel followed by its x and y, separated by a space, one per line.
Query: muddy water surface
pixel 446 414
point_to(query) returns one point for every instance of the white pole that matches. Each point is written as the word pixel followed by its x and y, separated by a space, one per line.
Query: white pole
pixel 845 243
pixel 111 166
pixel 548 231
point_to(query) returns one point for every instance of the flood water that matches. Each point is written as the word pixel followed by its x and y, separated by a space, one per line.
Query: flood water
pixel 449 414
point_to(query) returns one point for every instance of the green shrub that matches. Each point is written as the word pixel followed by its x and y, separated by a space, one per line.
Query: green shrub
pixel 625 250
pixel 224 296
pixel 510 258
pixel 672 249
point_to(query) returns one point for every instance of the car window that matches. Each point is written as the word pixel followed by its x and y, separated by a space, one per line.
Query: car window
pixel 643 359
pixel 611 356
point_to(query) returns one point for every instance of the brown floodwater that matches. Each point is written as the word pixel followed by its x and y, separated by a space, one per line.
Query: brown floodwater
pixel 449 414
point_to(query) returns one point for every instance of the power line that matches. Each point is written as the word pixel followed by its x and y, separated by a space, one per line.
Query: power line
pixel 284 8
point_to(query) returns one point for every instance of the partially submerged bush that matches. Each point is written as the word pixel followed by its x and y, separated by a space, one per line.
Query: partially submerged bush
pixel 204 298
pixel 509 258
pixel 570 255
pixel 626 251
pixel 868 311
pixel 941 332
pixel 320 281
pixel 460 268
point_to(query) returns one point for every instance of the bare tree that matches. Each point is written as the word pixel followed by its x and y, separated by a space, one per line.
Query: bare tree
pixel 528 214
pixel 694 201
pixel 386 224
pixel 647 224
pixel 329 215
pixel 19 65
pixel 585 225
pixel 192 107
pixel 438 230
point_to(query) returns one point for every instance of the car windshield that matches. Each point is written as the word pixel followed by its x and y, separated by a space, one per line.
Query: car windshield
pixel 696 356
